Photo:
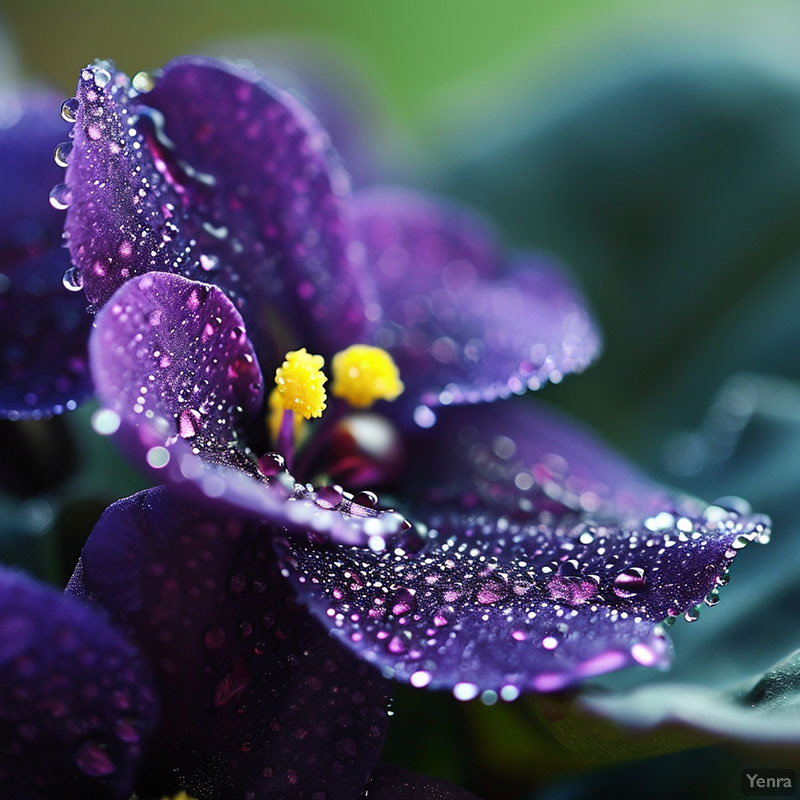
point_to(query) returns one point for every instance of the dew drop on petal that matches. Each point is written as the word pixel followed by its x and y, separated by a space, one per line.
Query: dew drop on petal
pixel 72 279
pixel 465 691
pixel 630 582
pixel 143 82
pixel 61 153
pixel 101 77
pixel 69 109
pixel 60 196
pixel 157 457
pixel 424 417
pixel 270 464
pixel 92 759
pixel 189 423
pixel 366 499
pixel 105 421
pixel 509 693
pixel 420 678
pixel 692 614
pixel 328 497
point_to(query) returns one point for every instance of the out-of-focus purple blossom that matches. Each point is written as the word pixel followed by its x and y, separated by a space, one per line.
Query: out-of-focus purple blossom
pixel 77 705
pixel 44 329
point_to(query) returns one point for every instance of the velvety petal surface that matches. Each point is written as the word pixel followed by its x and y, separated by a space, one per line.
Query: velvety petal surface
pixel 216 175
pixel 174 367
pixel 464 325
pixel 168 347
pixel 43 327
pixel 535 598
pixel 76 704
pixel 259 702
pixel 389 783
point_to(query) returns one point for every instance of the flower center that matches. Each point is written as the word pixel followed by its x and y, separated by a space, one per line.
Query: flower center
pixel 300 383
pixel 363 374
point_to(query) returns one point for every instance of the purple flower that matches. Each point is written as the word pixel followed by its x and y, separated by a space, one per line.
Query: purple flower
pixel 77 705
pixel 44 329
pixel 211 227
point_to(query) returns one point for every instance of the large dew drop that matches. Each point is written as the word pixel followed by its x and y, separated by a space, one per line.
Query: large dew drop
pixel 69 109
pixel 61 154
pixel 60 196
pixel 630 582
pixel 72 279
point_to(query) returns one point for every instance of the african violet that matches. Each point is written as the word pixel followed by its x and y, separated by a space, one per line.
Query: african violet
pixel 213 232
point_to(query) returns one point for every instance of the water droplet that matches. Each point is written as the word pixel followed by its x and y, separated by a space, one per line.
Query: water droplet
pixel 509 693
pixel 60 196
pixel 712 598
pixel 403 602
pixel 735 504
pixel 157 457
pixel 420 678
pixel 630 582
pixel 209 263
pixel 101 77
pixel 328 497
pixel 366 499
pixel 271 464
pixel 465 691
pixel 692 614
pixel 189 423
pixel 93 760
pixel 72 279
pixel 105 421
pixel 61 154
pixel 69 109
pixel 424 417
pixel 126 730
pixel 143 82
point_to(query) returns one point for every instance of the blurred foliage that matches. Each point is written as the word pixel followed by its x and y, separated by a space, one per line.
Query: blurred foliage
pixel 673 192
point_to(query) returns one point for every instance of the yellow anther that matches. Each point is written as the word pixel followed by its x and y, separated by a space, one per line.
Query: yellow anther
pixel 275 416
pixel 300 383
pixel 363 374
pixel 179 796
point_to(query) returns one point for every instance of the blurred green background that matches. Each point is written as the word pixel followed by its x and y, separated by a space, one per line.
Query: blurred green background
pixel 655 147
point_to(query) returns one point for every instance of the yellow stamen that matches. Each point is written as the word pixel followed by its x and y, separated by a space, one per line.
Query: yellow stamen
pixel 363 374
pixel 299 381
pixel 179 796
pixel 275 417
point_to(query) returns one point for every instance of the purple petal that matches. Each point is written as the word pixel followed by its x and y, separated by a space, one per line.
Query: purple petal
pixel 172 362
pixel 76 704
pixel 535 598
pixel 43 327
pixel 168 347
pixel 463 326
pixel 512 456
pixel 218 176
pixel 389 783
pixel 258 701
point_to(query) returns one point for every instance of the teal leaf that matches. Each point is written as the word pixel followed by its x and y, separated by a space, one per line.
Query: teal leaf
pixel 671 189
